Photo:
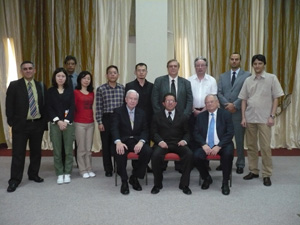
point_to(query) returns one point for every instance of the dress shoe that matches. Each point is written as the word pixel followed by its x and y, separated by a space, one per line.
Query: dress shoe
pixel 225 189
pixel 155 189
pixel 250 176
pixel 12 187
pixel 239 170
pixel 208 181
pixel 219 168
pixel 36 179
pixel 124 188
pixel 108 174
pixel 135 183
pixel 186 190
pixel 267 181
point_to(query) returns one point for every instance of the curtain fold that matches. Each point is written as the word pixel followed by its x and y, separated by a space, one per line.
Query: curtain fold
pixel 111 44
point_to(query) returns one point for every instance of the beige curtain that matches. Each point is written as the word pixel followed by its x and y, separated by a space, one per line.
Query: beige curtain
pixel 9 29
pixel 111 44
pixel 190 33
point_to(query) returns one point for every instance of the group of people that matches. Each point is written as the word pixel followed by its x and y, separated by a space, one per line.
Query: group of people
pixel 193 118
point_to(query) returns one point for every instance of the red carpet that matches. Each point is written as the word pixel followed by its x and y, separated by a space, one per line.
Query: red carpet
pixel 275 152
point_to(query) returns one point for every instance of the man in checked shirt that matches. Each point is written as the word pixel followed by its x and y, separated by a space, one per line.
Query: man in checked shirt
pixel 108 97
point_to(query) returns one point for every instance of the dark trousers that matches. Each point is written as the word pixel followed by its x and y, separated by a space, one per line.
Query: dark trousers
pixel 32 132
pixel 186 159
pixel 139 166
pixel 226 154
pixel 107 143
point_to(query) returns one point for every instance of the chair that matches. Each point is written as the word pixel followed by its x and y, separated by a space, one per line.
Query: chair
pixel 130 156
pixel 217 157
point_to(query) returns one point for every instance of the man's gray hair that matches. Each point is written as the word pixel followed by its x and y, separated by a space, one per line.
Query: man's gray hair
pixel 132 91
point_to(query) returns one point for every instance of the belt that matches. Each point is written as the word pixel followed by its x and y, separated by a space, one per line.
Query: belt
pixel 199 109
pixel 33 120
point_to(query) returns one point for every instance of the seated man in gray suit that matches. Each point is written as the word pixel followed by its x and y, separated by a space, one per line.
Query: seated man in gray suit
pixel 170 133
pixel 213 135
pixel 229 87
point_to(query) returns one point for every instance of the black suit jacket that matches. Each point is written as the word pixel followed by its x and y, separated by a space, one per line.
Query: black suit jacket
pixel 224 128
pixel 121 126
pixel 17 104
pixel 171 133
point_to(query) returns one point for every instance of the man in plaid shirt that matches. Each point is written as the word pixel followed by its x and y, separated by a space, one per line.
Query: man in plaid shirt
pixel 108 97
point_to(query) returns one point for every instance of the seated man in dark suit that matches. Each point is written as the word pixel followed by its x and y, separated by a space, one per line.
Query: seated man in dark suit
pixel 170 133
pixel 213 135
pixel 130 134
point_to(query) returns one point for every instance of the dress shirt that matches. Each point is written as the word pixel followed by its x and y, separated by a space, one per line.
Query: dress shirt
pixel 236 73
pixel 73 77
pixel 172 114
pixel 201 88
pixel 216 138
pixel 107 99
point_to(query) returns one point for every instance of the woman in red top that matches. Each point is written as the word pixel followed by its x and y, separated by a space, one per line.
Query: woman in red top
pixel 84 122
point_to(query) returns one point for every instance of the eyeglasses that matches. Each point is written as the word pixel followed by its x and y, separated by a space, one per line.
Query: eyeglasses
pixel 169 101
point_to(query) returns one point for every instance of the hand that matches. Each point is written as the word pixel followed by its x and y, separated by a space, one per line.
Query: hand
pixel 244 123
pixel 62 125
pixel 101 127
pixel 230 107
pixel 120 148
pixel 207 149
pixel 181 143
pixel 215 150
pixel 138 147
pixel 163 144
pixel 270 122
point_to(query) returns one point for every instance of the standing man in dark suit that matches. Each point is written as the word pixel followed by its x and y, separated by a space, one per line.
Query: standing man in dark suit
pixel 172 83
pixel 170 133
pixel 26 114
pixel 130 133
pixel 229 87
pixel 213 135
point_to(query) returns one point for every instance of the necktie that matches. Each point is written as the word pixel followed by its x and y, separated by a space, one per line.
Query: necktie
pixel 170 118
pixel 131 116
pixel 71 81
pixel 32 105
pixel 233 78
pixel 173 89
pixel 211 131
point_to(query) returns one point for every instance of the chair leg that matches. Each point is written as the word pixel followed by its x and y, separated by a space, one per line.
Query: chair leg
pixel 115 171
pixel 146 177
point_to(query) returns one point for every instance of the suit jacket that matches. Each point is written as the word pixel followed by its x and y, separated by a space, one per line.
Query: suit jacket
pixel 121 126
pixel 17 104
pixel 184 94
pixel 228 93
pixel 224 127
pixel 171 133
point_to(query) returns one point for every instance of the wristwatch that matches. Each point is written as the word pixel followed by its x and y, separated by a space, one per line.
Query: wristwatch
pixel 272 116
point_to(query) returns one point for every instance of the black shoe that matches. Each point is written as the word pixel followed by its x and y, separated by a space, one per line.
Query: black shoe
pixel 125 188
pixel 155 189
pixel 225 189
pixel 12 187
pixel 186 190
pixel 250 176
pixel 108 174
pixel 149 170
pixel 135 183
pixel 208 181
pixel 267 181
pixel 219 168
pixel 36 179
pixel 239 170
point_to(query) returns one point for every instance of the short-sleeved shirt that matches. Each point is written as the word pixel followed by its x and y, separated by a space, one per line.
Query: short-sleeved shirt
pixel 260 93
pixel 201 88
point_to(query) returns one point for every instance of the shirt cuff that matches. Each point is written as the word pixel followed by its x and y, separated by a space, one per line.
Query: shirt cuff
pixel 116 141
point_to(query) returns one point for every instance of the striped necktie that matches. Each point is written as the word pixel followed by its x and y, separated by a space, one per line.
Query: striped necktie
pixel 32 105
